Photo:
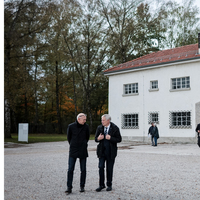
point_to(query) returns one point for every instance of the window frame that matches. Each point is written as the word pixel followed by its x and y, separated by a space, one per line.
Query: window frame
pixel 131 120
pixel 183 119
pixel 132 89
pixel 180 84
pixel 151 86
pixel 150 118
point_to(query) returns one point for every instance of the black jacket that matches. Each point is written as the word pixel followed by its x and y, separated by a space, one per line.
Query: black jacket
pixel 154 132
pixel 150 130
pixel 198 134
pixel 115 138
pixel 78 136
pixel 198 128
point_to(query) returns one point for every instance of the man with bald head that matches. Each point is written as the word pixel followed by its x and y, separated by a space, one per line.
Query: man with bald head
pixel 78 136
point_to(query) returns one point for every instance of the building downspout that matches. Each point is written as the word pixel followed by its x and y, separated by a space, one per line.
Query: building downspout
pixel 199 42
pixel 143 112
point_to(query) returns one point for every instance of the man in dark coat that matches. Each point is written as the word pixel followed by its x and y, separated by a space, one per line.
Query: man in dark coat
pixel 78 136
pixel 151 133
pixel 107 135
pixel 198 134
pixel 155 134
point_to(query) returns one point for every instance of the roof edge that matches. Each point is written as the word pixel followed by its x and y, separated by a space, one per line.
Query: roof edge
pixel 147 66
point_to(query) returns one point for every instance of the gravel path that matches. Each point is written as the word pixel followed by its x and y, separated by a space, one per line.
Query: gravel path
pixel 168 171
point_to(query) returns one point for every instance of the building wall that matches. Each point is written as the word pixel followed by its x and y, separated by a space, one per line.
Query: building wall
pixel 162 101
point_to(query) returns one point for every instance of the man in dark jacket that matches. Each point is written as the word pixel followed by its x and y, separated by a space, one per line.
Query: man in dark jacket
pixel 155 134
pixel 78 136
pixel 107 135
pixel 153 131
pixel 198 134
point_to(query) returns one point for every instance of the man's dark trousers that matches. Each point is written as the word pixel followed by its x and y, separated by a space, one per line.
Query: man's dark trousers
pixel 72 162
pixel 106 157
pixel 109 170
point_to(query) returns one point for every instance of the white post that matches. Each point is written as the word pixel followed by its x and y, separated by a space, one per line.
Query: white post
pixel 23 132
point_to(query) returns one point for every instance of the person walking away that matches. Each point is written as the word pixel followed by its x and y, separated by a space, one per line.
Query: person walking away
pixel 107 136
pixel 78 136
pixel 198 134
pixel 155 134
pixel 151 133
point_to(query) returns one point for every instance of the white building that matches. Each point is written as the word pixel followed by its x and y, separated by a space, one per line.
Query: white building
pixel 163 87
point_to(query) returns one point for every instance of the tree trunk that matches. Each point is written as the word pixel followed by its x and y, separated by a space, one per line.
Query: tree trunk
pixel 45 111
pixel 52 117
pixel 84 101
pixel 7 122
pixel 89 111
pixel 26 109
pixel 75 105
pixel 57 101
pixel 36 103
pixel 14 121
pixel 7 119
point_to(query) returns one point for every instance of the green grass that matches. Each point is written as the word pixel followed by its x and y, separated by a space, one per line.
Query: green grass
pixel 34 138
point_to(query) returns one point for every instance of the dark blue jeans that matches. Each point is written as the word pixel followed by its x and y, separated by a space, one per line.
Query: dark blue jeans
pixel 155 140
pixel 109 171
pixel 70 173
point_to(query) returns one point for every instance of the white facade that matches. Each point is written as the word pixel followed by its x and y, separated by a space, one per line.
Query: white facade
pixel 163 100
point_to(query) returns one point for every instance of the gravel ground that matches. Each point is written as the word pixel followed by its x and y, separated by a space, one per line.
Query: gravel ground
pixel 168 171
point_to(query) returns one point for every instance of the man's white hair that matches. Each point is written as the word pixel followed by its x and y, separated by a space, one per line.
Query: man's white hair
pixel 80 115
pixel 107 116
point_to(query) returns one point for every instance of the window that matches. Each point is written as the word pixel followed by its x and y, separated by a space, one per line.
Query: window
pixel 153 117
pixel 131 88
pixel 181 83
pixel 154 85
pixel 180 119
pixel 130 121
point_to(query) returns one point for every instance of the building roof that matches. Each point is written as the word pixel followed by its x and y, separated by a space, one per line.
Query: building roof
pixel 178 54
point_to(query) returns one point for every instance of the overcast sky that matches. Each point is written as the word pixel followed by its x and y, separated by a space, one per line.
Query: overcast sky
pixel 196 2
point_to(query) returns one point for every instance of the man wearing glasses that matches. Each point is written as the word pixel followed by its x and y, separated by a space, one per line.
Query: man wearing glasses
pixel 107 135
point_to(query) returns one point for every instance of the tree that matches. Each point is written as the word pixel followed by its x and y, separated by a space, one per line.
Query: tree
pixel 131 27
pixel 148 26
pixel 182 24
pixel 22 20
pixel 55 54
pixel 85 43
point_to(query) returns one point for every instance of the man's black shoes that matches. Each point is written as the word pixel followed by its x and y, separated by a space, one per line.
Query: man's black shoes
pixel 68 191
pixel 82 189
pixel 100 188
pixel 109 189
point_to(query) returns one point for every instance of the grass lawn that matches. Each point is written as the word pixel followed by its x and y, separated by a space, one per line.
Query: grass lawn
pixel 34 138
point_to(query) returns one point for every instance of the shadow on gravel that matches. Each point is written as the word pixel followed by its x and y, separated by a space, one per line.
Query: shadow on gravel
pixel 13 145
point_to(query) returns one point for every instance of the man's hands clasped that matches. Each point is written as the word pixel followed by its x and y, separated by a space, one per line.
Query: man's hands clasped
pixel 101 137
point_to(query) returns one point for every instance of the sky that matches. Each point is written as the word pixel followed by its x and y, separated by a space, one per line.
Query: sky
pixel 196 2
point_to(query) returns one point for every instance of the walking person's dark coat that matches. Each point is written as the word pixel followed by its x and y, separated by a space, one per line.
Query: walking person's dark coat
pixel 198 134
pixel 151 134
pixel 153 131
pixel 78 136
